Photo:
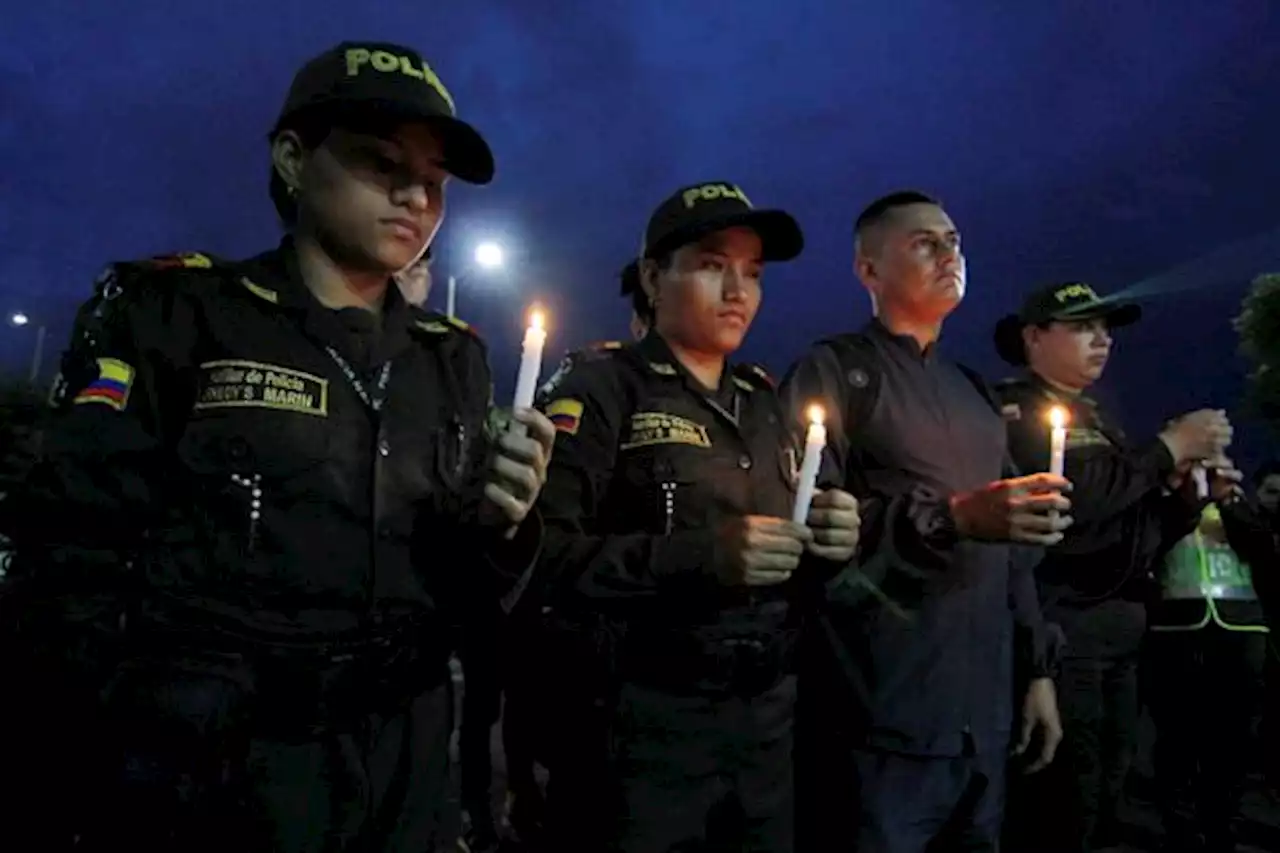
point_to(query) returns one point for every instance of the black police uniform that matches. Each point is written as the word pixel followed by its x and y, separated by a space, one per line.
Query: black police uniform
pixel 907 684
pixel 1095 586
pixel 242 550
pixel 647 466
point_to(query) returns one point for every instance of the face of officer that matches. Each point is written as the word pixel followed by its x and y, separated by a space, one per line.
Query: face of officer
pixel 373 199
pixel 910 260
pixel 1072 353
pixel 415 283
pixel 1269 493
pixel 706 298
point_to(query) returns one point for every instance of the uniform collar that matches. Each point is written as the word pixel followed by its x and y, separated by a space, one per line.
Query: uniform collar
pixel 274 277
pixel 659 359
pixel 906 342
pixel 1056 394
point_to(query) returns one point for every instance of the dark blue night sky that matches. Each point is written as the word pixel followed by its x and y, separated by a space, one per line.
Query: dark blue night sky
pixel 1111 142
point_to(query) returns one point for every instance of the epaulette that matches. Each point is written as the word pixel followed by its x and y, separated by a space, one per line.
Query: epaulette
pixel 442 324
pixel 753 376
pixel 181 260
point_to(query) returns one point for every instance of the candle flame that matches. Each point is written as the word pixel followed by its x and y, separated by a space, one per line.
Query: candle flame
pixel 1058 417
pixel 535 319
pixel 816 414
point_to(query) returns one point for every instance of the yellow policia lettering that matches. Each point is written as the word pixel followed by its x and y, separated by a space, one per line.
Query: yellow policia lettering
pixel 390 63
pixel 1074 290
pixel 711 192
pixel 650 428
pixel 232 383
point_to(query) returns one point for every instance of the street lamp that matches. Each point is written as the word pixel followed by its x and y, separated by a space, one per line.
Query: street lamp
pixel 20 319
pixel 489 256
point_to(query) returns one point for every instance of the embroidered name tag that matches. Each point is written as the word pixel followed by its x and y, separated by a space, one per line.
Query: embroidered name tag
pixel 649 428
pixel 233 383
pixel 1082 437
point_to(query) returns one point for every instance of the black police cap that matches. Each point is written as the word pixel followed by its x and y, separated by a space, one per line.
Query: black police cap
pixel 695 211
pixel 355 79
pixel 1072 300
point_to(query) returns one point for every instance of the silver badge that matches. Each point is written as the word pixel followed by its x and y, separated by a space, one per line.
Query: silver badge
pixel 858 378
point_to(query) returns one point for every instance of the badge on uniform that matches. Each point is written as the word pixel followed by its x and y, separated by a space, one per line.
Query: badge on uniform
pixel 650 428
pixel 1084 437
pixel 235 383
pixel 565 415
pixel 111 388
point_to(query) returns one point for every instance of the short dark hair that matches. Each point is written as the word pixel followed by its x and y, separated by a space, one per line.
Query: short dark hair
pixel 874 213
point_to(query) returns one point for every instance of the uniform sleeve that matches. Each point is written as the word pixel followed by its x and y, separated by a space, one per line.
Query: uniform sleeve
pixel 99 487
pixel 911 531
pixel 578 554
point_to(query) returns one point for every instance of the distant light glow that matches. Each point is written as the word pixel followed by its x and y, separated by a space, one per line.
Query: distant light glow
pixel 19 319
pixel 490 255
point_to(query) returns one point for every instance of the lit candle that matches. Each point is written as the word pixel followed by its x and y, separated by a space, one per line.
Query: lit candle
pixel 535 338
pixel 814 443
pixel 1057 439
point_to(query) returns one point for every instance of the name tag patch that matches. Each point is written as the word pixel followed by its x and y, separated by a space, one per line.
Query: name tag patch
pixel 232 383
pixel 1082 437
pixel 650 428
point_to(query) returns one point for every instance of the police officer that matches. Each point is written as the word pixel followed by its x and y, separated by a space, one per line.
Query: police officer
pixel 1095 584
pixel 666 512
pixel 264 472
pixel 908 691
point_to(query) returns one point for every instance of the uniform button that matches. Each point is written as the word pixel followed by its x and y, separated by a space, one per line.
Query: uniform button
pixel 384 448
pixel 744 462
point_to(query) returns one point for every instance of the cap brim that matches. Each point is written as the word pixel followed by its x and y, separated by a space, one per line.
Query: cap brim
pixel 467 155
pixel 780 236
pixel 1117 314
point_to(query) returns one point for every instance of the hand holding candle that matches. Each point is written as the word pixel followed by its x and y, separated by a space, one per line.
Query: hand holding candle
pixel 815 442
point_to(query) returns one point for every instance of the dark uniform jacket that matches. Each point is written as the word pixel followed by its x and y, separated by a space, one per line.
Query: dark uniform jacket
pixel 925 639
pixel 237 467
pixel 647 467
pixel 1124 515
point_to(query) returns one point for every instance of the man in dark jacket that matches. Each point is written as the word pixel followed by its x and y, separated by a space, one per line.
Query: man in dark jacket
pixel 908 694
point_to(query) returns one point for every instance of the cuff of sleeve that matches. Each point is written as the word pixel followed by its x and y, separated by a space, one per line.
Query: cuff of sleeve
pixel 687 554
pixel 517 557
pixel 1157 455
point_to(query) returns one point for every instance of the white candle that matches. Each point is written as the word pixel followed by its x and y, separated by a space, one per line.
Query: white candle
pixel 815 442
pixel 1057 440
pixel 535 338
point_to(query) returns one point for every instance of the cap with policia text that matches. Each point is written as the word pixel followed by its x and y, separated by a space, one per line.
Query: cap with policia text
pixel 1068 301
pixel 693 212
pixel 392 80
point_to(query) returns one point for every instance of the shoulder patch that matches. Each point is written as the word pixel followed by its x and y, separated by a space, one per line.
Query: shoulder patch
pixel 571 361
pixel 565 414
pixel 182 260
pixel 442 324
pixel 755 376
pixel 1011 412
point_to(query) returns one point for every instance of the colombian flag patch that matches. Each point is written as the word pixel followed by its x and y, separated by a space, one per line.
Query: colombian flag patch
pixel 111 388
pixel 566 415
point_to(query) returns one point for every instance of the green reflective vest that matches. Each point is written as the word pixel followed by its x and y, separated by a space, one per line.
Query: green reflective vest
pixel 1205 568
